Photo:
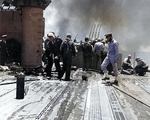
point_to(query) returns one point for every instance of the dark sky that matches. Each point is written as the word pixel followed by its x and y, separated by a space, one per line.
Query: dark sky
pixel 128 20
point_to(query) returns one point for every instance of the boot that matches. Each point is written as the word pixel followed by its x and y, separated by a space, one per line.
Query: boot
pixel 115 82
pixel 106 78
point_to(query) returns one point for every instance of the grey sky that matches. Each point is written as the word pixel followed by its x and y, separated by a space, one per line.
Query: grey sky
pixel 128 20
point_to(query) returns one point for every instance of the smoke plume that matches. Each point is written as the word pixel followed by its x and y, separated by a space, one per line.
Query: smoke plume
pixel 128 20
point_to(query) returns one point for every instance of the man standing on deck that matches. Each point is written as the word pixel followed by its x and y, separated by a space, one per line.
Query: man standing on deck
pixel 67 51
pixel 111 58
pixel 57 43
pixel 87 54
pixel 49 46
pixel 98 48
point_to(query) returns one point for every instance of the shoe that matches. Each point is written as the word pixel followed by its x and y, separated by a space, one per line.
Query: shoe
pixel 48 78
pixel 106 78
pixel 67 79
pixel 115 82
pixel 59 78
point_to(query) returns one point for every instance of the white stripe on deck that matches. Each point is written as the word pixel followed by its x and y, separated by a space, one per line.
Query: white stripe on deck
pixel 97 104
pixel 106 112
pixel 87 108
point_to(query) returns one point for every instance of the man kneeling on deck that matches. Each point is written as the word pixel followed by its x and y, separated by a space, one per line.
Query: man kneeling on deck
pixel 141 68
pixel 111 58
pixel 127 66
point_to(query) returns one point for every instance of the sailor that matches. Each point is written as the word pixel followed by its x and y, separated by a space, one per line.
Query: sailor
pixel 49 46
pixel 111 58
pixel 142 67
pixel 127 63
pixel 98 49
pixel 87 49
pixel 3 50
pixel 57 43
pixel 127 66
pixel 68 51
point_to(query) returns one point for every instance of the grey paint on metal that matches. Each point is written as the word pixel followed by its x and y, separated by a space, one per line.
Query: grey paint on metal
pixel 97 104
pixel 87 108
pixel 106 111
pixel 61 100
pixel 144 84
pixel 116 108
pixel 95 111
pixel 51 102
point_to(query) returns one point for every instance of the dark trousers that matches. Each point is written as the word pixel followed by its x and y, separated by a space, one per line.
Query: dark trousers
pixel 98 60
pixel 2 53
pixel 86 61
pixel 57 65
pixel 66 67
pixel 2 57
pixel 140 70
pixel 49 66
pixel 126 66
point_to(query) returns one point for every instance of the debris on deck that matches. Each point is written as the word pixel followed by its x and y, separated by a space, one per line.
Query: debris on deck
pixel 77 99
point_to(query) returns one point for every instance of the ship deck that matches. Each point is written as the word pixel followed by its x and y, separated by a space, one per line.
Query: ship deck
pixel 77 99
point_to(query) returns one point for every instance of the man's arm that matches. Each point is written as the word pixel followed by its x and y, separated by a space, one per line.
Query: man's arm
pixel 61 49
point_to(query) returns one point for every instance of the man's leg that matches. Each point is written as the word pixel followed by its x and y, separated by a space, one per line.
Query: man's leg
pixel 115 69
pixel 96 60
pixel 109 68
pixel 57 65
pixel 84 61
pixel 63 68
pixel 99 60
pixel 103 67
pixel 85 66
pixel 137 69
pixel 49 66
pixel 87 63
pixel 68 69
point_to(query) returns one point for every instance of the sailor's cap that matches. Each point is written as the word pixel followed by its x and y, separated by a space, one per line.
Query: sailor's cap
pixel 50 35
pixel 69 35
pixel 4 36
pixel 137 58
pixel 100 39
pixel 108 34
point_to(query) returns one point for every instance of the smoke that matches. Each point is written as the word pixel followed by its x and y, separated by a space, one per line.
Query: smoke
pixel 128 20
